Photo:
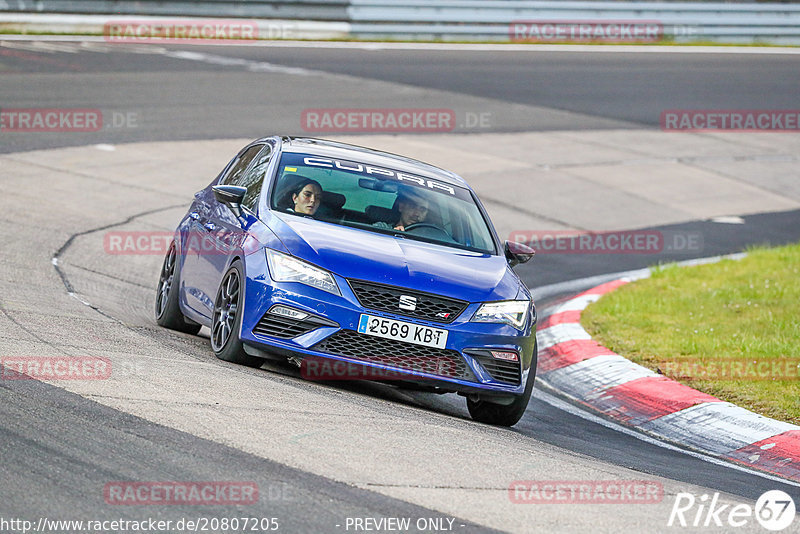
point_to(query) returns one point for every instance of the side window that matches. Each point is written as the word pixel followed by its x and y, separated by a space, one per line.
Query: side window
pixel 235 174
pixel 255 178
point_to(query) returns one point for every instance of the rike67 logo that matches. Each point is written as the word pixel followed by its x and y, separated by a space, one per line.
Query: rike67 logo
pixel 774 510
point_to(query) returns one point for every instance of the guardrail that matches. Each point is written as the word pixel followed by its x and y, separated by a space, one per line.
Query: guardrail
pixel 479 20
pixel 473 20
pixel 327 10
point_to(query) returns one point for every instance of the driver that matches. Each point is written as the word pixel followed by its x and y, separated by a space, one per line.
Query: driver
pixel 413 209
pixel 301 195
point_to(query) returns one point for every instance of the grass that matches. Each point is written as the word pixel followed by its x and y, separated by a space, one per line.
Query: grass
pixel 667 41
pixel 730 329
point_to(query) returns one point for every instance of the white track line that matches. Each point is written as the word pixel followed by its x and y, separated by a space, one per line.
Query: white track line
pixel 571 409
pixel 579 285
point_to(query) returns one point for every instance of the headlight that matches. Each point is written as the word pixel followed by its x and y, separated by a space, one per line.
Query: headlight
pixel 285 268
pixel 510 312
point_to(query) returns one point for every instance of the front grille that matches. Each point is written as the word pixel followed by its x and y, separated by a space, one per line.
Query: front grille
pixel 399 354
pixel 287 328
pixel 500 370
pixel 387 298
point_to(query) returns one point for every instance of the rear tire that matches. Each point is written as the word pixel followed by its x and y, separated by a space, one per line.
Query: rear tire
pixel 168 310
pixel 492 413
pixel 226 320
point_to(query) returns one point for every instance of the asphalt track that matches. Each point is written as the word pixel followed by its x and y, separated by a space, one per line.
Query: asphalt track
pixel 179 94
pixel 59 447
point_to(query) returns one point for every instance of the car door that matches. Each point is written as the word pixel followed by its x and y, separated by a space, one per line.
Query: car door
pixel 224 232
pixel 199 272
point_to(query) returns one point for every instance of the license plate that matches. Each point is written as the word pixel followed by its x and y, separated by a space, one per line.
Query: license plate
pixel 402 331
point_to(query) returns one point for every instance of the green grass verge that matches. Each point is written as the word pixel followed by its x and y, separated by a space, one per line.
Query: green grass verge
pixel 663 42
pixel 730 329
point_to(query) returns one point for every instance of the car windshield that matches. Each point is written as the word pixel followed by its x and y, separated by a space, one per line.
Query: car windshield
pixel 380 199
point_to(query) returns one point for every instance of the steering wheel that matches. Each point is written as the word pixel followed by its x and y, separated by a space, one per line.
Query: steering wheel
pixel 428 226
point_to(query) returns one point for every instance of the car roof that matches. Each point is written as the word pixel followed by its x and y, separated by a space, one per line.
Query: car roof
pixel 334 149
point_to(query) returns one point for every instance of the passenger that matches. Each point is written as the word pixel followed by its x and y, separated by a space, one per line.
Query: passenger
pixel 413 209
pixel 303 197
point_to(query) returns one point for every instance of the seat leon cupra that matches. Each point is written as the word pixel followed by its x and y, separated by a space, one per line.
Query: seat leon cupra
pixel 354 263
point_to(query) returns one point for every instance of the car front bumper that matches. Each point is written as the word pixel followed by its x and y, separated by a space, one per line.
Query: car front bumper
pixel 465 365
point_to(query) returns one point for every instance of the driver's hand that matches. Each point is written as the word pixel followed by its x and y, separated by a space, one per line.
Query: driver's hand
pixel 400 227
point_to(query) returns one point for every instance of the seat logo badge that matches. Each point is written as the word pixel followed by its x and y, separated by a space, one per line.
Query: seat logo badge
pixel 407 303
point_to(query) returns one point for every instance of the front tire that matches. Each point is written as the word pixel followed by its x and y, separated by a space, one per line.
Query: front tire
pixel 492 413
pixel 226 320
pixel 168 310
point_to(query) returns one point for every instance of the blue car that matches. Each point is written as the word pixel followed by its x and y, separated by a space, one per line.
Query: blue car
pixel 356 264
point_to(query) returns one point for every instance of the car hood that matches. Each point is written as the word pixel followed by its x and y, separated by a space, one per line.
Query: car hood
pixel 364 255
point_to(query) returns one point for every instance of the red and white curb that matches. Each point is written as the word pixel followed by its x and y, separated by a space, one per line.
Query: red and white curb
pixel 571 362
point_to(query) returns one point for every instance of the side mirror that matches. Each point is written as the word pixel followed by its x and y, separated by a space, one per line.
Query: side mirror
pixel 231 196
pixel 517 253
